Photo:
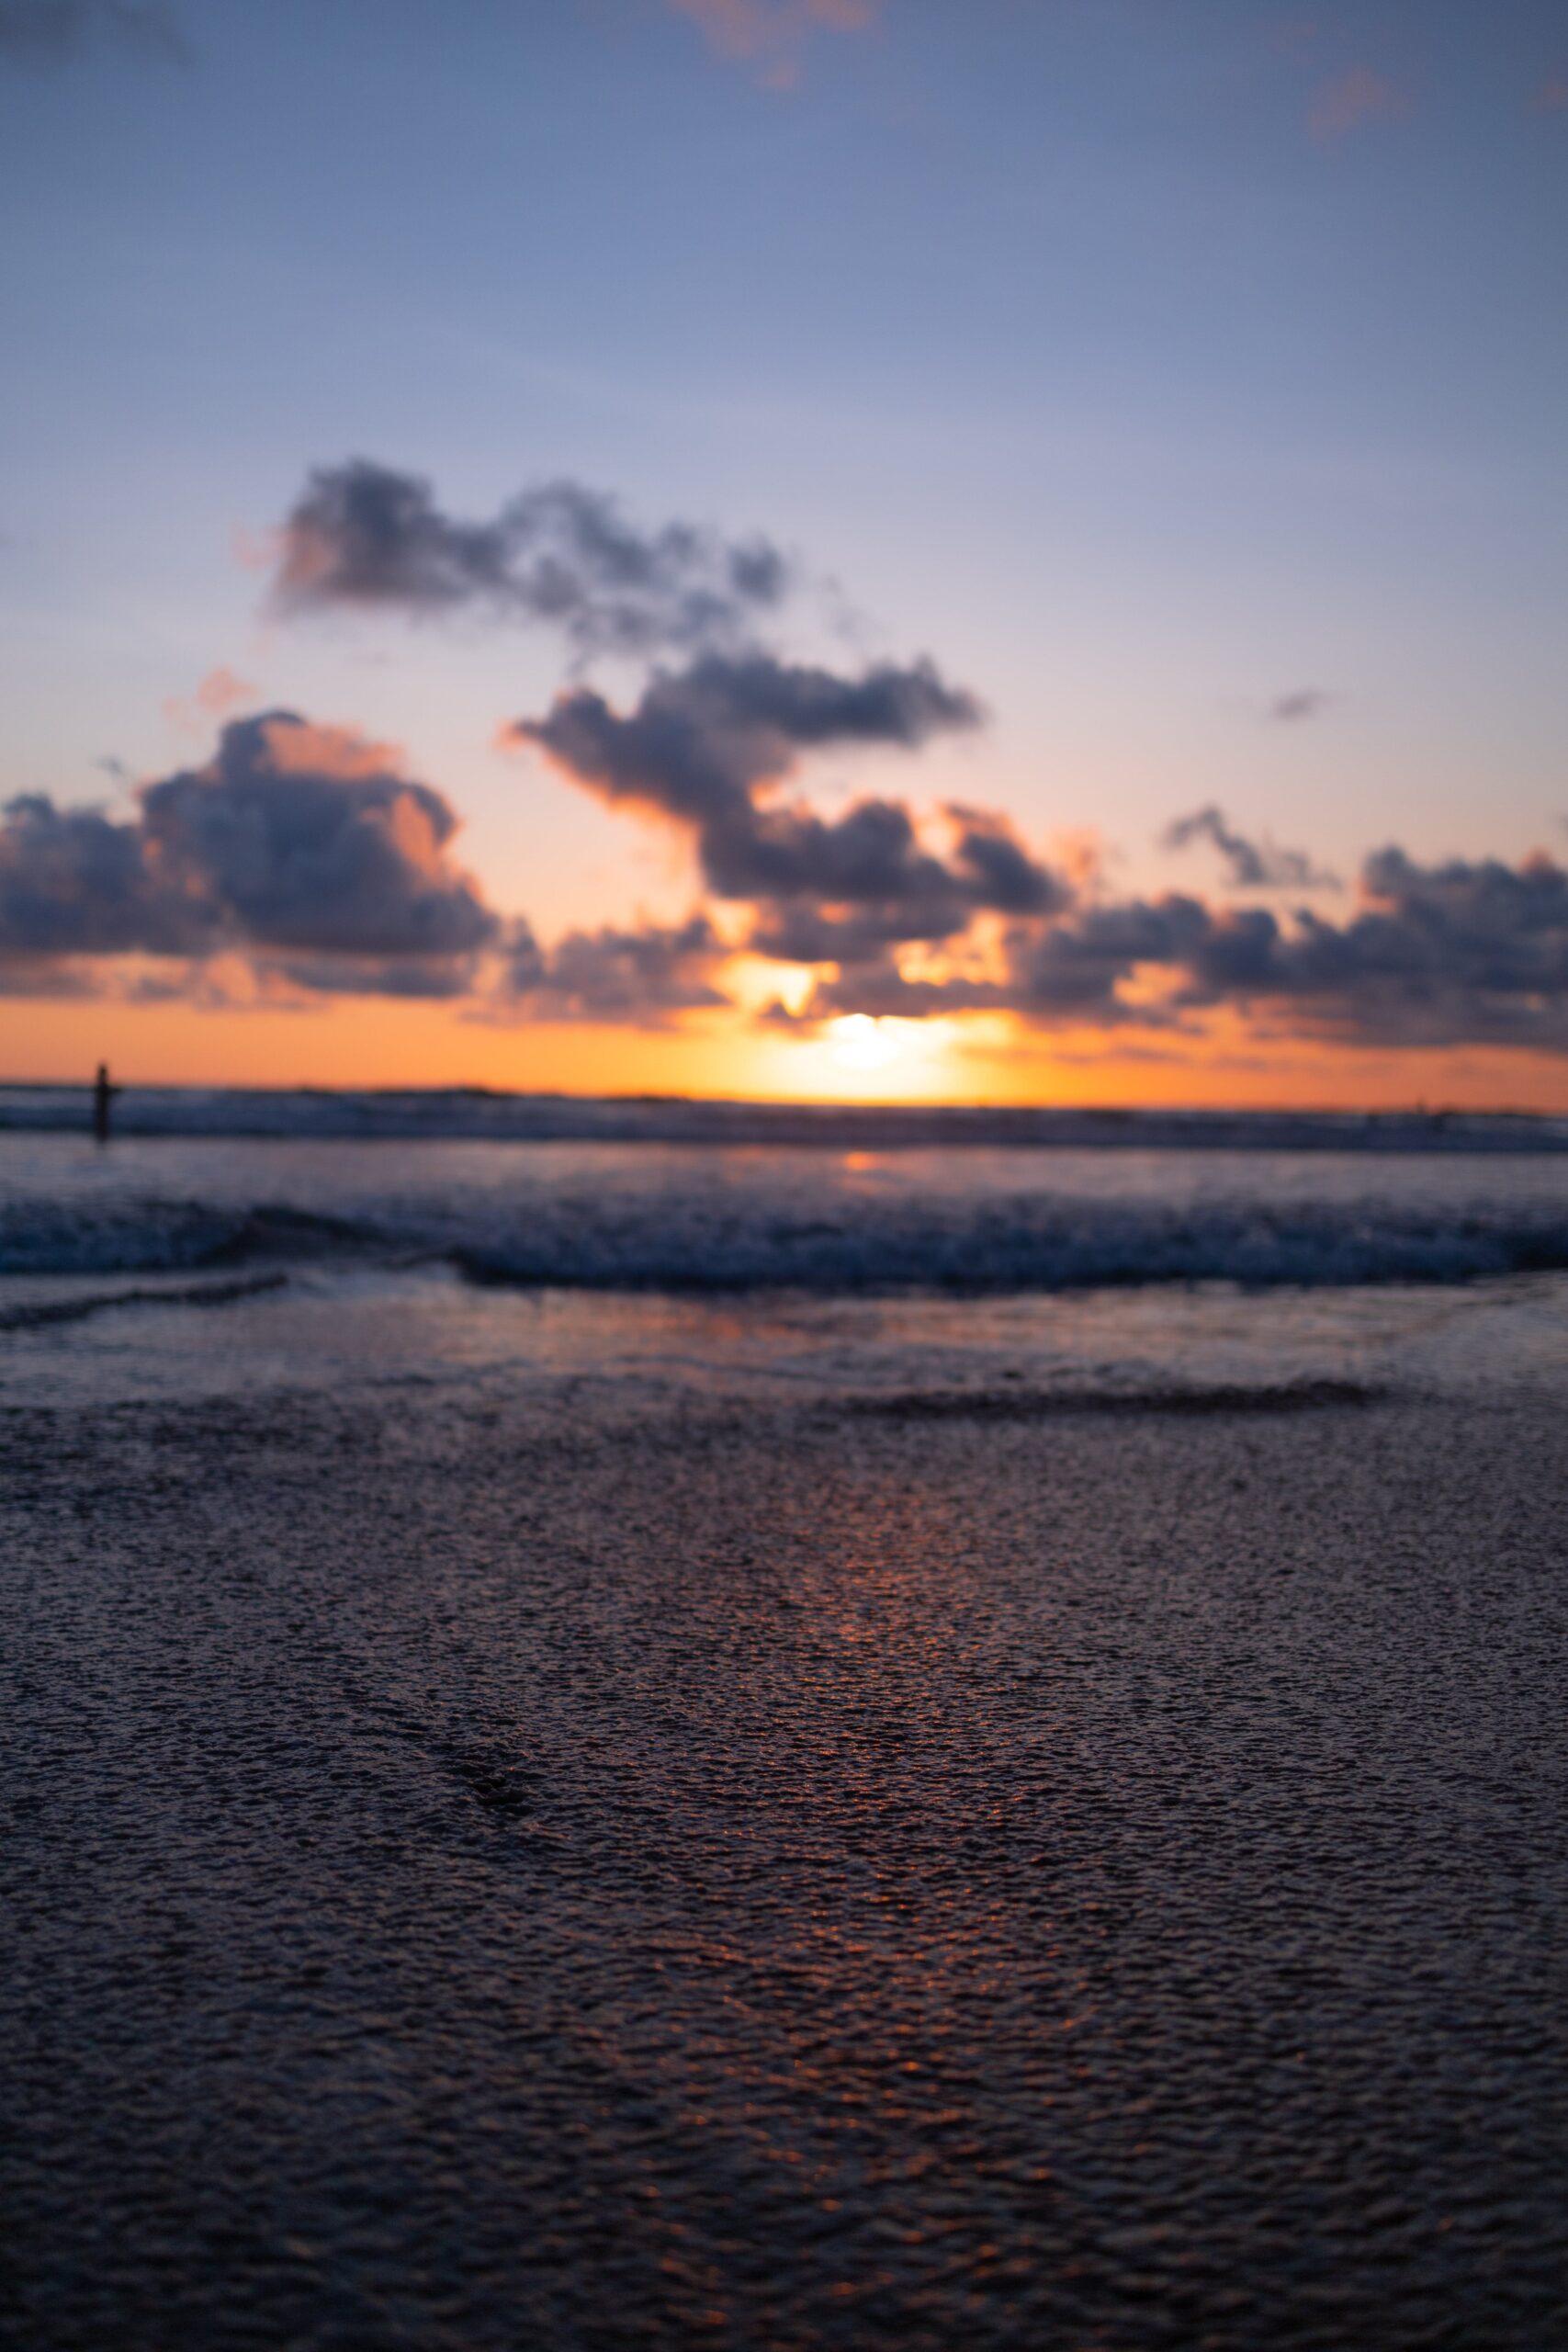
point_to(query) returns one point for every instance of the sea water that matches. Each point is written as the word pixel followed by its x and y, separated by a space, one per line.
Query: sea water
pixel 247 1240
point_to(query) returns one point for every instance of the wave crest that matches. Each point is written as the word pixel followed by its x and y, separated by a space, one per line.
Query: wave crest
pixel 729 1243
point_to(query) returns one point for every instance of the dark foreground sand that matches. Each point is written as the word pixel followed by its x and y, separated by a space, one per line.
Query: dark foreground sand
pixel 493 1877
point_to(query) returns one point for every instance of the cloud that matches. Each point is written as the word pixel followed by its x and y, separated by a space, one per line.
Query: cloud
pixel 301 862
pixel 880 991
pixel 1254 865
pixel 1352 99
pixel 1553 96
pixel 1467 952
pixel 703 739
pixel 708 747
pixel 770 33
pixel 641 975
pixel 47 977
pixel 54 32
pixel 306 837
pixel 294 842
pixel 415 978
pixel 218 693
pixel 74 882
pixel 1001 873
pixel 1302 702
pixel 364 535
pixel 1457 954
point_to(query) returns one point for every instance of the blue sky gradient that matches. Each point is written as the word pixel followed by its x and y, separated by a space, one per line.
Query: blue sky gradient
pixel 1140 361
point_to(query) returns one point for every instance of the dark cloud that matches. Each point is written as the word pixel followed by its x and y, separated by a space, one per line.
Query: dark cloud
pixel 880 991
pixel 429 979
pixel 1459 952
pixel 1254 865
pixel 306 838
pixel 1455 954
pixel 1000 871
pixel 1068 970
pixel 52 32
pixel 706 747
pixel 1302 702
pixel 1465 952
pixel 293 841
pixel 301 860
pixel 701 741
pixel 640 975
pixel 48 976
pixel 74 882
pixel 365 535
pixel 1076 967
pixel 804 932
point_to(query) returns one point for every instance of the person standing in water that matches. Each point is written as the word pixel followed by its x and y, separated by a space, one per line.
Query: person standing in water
pixel 103 1102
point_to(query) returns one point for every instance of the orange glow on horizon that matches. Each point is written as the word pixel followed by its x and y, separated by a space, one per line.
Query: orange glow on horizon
pixel 980 1059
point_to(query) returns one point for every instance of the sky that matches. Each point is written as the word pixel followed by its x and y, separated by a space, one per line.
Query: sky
pixel 794 547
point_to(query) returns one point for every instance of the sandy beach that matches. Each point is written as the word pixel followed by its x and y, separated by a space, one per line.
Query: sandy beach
pixel 492 1872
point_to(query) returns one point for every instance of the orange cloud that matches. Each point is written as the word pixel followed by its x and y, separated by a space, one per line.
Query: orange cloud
pixel 771 31
pixel 1359 95
pixel 302 747
pixel 219 693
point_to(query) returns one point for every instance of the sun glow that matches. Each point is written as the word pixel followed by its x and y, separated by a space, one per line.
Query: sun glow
pixel 857 1055
pixel 863 1044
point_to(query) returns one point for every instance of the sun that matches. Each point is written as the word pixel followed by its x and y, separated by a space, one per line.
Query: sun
pixel 871 1056
pixel 863 1044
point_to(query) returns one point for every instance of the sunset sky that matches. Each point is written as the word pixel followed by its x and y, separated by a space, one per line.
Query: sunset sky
pixel 883 548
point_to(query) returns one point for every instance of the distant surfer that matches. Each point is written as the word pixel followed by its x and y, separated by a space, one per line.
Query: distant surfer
pixel 103 1102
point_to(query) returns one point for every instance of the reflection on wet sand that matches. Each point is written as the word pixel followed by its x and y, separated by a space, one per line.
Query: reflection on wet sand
pixel 726 1870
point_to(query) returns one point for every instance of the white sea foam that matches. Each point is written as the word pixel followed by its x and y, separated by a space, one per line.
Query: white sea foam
pixel 826 1221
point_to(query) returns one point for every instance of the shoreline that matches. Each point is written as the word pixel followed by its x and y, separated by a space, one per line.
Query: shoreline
pixel 550 1869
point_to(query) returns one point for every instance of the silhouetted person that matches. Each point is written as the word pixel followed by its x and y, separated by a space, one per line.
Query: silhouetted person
pixel 103 1102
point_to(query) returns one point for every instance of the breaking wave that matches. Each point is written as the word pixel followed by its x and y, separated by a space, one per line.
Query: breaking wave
pixel 840 1243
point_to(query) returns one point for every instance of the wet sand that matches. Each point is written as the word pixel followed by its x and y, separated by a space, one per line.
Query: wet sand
pixel 485 1874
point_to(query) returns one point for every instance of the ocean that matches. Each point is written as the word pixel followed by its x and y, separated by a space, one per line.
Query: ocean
pixel 630 1725
pixel 332 1236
